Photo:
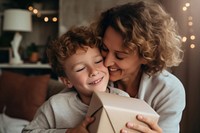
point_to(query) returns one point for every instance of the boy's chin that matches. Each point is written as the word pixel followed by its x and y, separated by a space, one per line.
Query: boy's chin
pixel 100 89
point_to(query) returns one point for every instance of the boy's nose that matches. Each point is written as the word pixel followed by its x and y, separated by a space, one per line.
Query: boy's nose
pixel 94 73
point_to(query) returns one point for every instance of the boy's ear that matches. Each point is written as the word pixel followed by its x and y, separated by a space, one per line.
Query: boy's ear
pixel 66 82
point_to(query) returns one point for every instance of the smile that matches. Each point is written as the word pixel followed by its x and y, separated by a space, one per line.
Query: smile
pixel 113 69
pixel 96 81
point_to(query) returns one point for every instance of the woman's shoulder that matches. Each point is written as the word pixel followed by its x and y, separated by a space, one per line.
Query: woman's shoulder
pixel 161 84
pixel 165 78
pixel 169 79
pixel 161 88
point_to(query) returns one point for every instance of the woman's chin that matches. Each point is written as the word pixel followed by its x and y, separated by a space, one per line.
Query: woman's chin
pixel 113 78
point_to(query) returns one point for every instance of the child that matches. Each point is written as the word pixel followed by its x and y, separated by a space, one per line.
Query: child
pixel 76 59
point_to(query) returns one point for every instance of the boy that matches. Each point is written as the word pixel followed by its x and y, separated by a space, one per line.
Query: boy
pixel 76 59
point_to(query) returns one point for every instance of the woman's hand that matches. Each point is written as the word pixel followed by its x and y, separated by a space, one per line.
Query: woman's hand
pixel 152 126
pixel 82 127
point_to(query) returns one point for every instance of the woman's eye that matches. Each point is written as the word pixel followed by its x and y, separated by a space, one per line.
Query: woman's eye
pixel 119 57
pixel 104 48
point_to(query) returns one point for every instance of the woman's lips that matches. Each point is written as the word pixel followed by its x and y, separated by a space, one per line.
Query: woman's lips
pixel 112 69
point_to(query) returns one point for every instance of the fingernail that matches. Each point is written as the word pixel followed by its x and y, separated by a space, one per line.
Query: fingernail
pixel 140 117
pixel 124 131
pixel 129 124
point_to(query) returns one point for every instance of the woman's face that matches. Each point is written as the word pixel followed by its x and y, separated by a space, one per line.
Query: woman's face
pixel 122 64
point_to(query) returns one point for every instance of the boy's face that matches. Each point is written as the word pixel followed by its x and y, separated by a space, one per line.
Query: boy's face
pixel 86 72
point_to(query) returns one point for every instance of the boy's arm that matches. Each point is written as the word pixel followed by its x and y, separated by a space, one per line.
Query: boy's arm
pixel 43 120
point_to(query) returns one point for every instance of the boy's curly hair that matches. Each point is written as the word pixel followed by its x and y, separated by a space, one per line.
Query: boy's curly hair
pixel 67 45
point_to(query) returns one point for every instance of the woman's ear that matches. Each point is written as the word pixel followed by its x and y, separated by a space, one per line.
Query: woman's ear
pixel 144 61
pixel 66 82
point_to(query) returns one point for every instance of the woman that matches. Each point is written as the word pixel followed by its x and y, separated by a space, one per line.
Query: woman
pixel 139 42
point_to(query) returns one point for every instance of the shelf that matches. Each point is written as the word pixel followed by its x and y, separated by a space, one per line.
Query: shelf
pixel 48 12
pixel 26 66
pixel 42 12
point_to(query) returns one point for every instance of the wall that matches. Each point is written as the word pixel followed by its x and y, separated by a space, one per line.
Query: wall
pixel 78 12
pixel 188 72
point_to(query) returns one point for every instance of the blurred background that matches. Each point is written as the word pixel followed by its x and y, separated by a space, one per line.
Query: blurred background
pixel 51 18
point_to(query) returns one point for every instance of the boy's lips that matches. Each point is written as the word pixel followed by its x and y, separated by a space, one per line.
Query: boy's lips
pixel 96 81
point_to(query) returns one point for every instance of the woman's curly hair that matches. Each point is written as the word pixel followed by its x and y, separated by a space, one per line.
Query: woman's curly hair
pixel 67 45
pixel 145 27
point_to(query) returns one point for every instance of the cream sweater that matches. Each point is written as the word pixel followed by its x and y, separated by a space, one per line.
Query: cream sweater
pixel 166 95
pixel 61 112
pixel 163 92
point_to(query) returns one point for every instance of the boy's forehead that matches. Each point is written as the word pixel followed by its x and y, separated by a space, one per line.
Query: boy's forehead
pixel 86 51
pixel 81 50
pixel 82 56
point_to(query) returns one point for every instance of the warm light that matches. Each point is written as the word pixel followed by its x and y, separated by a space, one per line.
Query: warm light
pixel 39 15
pixel 190 18
pixel 54 19
pixel 192 37
pixel 35 11
pixel 184 39
pixel 46 19
pixel 190 23
pixel 192 45
pixel 30 8
pixel 17 20
pixel 187 4
pixel 184 8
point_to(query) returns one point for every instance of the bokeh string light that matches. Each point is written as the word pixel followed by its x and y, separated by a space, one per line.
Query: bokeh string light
pixel 190 37
pixel 45 18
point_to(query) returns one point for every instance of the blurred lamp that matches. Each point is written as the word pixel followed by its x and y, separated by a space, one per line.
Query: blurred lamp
pixel 17 20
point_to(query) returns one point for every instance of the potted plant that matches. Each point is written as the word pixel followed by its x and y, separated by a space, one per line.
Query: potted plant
pixel 33 54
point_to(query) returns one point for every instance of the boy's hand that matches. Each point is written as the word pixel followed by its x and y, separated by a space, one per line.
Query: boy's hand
pixel 82 127
pixel 153 127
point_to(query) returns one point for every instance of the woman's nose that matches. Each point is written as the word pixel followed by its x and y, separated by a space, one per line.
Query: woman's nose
pixel 108 60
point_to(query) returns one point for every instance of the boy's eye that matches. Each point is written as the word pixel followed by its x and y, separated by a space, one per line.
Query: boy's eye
pixel 79 69
pixel 99 61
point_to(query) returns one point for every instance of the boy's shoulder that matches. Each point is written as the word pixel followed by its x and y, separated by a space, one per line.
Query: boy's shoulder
pixel 63 96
